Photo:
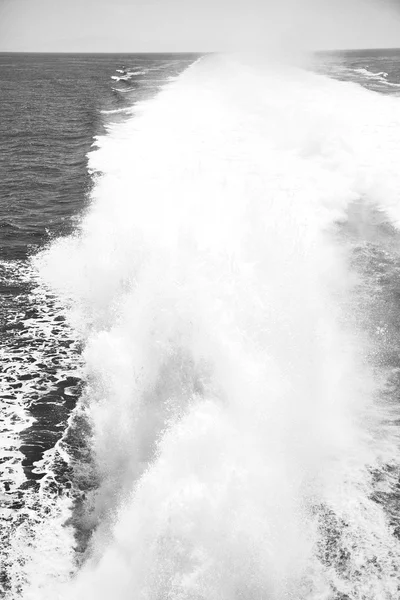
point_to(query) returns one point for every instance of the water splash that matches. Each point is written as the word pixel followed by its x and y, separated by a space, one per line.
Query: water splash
pixel 238 428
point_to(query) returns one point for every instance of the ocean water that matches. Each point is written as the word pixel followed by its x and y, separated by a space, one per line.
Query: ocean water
pixel 200 334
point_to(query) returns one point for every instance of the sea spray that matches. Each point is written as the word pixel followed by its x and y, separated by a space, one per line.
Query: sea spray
pixel 236 418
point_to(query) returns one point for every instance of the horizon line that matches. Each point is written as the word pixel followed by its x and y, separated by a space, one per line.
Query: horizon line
pixel 116 52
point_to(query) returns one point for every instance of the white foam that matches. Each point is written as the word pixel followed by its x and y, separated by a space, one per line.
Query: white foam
pixel 116 111
pixel 123 91
pixel 122 78
pixel 34 359
pixel 371 74
pixel 138 72
pixel 234 413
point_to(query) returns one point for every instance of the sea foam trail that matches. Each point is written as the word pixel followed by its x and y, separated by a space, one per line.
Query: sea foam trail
pixel 237 433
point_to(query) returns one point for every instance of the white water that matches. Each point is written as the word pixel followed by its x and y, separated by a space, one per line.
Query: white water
pixel 235 417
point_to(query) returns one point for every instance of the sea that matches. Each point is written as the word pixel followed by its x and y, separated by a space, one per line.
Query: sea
pixel 200 326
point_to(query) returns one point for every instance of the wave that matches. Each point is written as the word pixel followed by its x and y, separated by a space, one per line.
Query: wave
pixel 123 78
pixel 391 84
pixel 238 427
pixel 114 111
pixel 138 72
pixel 367 73
pixel 380 77
pixel 123 91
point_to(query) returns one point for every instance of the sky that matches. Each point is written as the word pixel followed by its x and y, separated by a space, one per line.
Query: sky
pixel 196 25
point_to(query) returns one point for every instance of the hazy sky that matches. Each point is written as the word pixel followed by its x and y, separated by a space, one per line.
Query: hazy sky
pixel 198 25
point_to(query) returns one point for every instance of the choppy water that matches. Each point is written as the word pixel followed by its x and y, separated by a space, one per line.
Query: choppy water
pixel 201 358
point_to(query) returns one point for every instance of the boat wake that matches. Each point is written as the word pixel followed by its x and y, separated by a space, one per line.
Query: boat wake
pixel 241 424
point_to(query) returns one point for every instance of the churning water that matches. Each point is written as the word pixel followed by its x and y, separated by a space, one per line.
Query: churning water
pixel 233 286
